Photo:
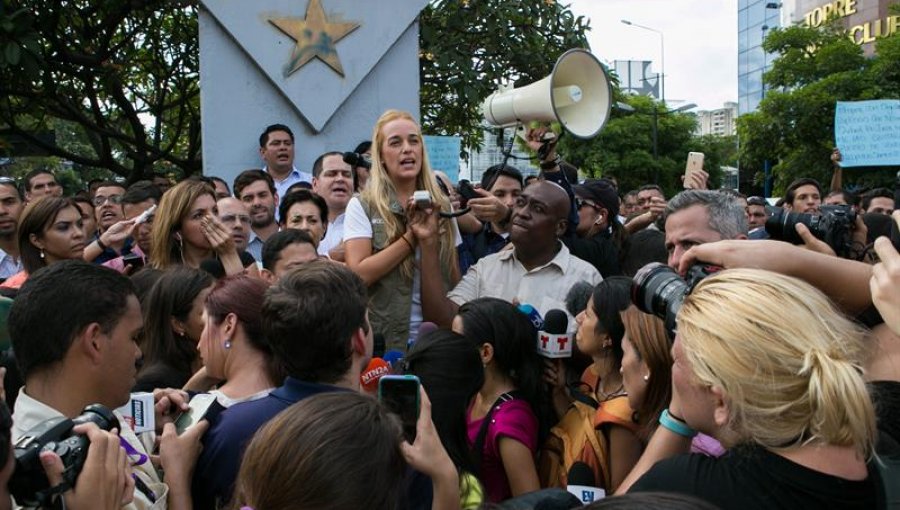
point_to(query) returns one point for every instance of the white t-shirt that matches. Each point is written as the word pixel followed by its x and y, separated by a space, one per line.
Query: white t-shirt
pixel 358 226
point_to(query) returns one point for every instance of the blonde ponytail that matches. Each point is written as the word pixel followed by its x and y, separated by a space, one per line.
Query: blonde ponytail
pixel 787 360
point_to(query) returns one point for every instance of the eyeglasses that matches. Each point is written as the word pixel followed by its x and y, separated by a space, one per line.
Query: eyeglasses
pixel 100 200
pixel 581 202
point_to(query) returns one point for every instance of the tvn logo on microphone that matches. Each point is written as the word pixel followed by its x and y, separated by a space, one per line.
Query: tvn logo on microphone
pixel 370 376
pixel 552 345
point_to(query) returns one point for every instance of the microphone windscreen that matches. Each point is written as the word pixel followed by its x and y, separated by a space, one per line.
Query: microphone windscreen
pixel 378 345
pixel 393 356
pixel 376 369
pixel 581 474
pixel 556 322
pixel 536 320
pixel 578 297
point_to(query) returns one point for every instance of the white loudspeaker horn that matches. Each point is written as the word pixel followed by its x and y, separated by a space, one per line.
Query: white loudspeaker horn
pixel 577 94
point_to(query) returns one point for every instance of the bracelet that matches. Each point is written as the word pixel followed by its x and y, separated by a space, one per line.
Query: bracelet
pixel 102 246
pixel 675 425
pixel 411 247
pixel 549 165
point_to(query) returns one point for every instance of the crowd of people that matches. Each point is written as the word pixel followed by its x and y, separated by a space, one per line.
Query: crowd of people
pixel 768 379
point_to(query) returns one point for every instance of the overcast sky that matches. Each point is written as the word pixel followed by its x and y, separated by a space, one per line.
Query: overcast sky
pixel 700 43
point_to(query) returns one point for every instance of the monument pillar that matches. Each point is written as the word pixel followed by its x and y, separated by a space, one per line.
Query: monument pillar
pixel 325 68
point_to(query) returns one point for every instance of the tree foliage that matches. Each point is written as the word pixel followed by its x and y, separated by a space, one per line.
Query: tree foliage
pixel 794 125
pixel 124 73
pixel 624 148
pixel 470 47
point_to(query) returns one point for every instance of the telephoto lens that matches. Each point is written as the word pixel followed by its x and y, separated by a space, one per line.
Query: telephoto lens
pixel 658 290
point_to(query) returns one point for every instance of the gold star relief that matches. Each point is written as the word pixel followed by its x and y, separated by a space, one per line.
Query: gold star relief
pixel 315 38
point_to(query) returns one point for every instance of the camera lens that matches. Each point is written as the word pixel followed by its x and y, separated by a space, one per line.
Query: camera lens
pixel 782 225
pixel 658 290
pixel 96 413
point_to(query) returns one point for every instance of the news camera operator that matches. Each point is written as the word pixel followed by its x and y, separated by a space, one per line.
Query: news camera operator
pixel 86 355
pixel 768 366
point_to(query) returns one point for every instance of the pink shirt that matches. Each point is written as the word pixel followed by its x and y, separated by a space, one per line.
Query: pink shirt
pixel 513 419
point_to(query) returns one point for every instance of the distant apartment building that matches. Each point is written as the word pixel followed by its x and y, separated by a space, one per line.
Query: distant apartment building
pixel 719 122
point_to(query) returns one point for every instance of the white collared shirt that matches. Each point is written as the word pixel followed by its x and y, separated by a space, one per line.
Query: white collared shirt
pixel 292 178
pixel 501 275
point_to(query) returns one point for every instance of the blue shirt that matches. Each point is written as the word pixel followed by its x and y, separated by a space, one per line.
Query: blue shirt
pixel 224 442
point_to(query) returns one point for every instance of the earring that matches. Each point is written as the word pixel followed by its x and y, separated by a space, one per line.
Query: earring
pixel 646 377
pixel 42 253
pixel 228 344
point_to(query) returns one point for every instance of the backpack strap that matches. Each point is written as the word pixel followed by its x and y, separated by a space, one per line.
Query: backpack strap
pixel 478 447
pixel 580 396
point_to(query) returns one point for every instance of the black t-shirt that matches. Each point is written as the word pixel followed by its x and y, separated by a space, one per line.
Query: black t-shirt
pixel 753 478
pixel 599 251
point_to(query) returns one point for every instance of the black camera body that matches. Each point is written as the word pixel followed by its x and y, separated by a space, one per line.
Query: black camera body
pixel 29 485
pixel 354 160
pixel 658 290
pixel 834 225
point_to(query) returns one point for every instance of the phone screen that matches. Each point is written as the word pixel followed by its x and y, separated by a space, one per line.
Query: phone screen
pixel 400 393
pixel 199 405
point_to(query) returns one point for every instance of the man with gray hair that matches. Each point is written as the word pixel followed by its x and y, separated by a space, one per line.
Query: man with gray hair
pixel 701 216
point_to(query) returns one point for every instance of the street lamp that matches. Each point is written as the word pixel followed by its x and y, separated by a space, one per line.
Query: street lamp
pixel 662 53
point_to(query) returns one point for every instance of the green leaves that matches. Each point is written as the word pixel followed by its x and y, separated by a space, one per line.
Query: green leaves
pixel 469 48
pixel 794 126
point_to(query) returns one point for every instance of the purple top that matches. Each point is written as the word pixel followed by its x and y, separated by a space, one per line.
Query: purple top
pixel 513 419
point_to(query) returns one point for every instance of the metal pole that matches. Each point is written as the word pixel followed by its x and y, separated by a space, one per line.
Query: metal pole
pixel 656 144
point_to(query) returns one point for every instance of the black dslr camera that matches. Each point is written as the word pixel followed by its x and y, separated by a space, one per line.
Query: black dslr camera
pixel 834 225
pixel 354 160
pixel 658 290
pixel 29 484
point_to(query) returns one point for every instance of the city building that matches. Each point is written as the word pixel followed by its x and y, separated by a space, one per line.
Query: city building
pixel 864 20
pixel 755 19
pixel 719 122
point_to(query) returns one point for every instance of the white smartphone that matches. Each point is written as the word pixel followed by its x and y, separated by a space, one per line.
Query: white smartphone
pixel 199 405
pixel 694 163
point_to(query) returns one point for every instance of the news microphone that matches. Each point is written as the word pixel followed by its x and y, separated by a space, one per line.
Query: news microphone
pixel 578 297
pixel 533 315
pixel 553 339
pixel 377 369
pixel 378 345
pixel 582 484
pixel 392 357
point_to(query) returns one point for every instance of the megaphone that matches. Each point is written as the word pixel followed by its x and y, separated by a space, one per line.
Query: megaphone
pixel 577 93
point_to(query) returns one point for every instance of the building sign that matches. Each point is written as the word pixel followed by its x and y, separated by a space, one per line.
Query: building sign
pixel 865 20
